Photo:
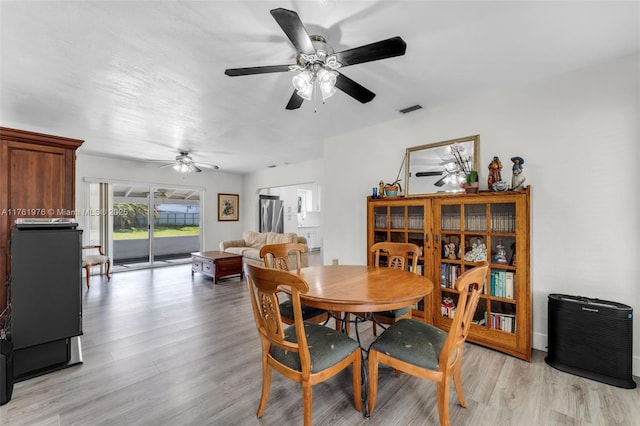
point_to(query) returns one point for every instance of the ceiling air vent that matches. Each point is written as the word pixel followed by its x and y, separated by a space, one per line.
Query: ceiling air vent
pixel 411 108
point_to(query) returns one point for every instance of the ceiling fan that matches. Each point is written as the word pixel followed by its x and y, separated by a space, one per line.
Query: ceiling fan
pixel 317 63
pixel 184 164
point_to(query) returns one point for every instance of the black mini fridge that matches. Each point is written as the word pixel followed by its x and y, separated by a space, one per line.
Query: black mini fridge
pixel 46 296
pixel 591 338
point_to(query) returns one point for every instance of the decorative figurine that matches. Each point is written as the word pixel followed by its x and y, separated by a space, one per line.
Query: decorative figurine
pixel 495 167
pixel 500 186
pixel 518 178
pixel 381 189
pixel 501 252
pixel 452 251
pixel 478 252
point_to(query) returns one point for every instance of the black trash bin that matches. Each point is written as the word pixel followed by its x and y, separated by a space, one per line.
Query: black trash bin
pixel 6 371
pixel 591 338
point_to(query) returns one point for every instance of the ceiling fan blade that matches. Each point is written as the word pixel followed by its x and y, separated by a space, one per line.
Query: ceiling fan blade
pixel 440 182
pixel 234 72
pixel 295 101
pixel 292 26
pixel 388 48
pixel 354 89
pixel 206 166
pixel 422 174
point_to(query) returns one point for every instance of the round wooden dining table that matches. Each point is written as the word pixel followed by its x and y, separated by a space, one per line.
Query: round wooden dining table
pixel 361 288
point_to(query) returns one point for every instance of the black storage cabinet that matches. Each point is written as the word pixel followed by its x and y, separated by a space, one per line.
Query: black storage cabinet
pixel 46 298
pixel 591 338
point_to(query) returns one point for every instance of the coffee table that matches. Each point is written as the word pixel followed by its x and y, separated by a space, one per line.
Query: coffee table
pixel 216 264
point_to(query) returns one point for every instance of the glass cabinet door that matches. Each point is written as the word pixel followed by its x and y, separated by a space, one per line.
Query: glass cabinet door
pixel 403 221
pixel 472 231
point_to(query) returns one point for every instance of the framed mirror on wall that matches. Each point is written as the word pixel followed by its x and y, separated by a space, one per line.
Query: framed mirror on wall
pixel 441 166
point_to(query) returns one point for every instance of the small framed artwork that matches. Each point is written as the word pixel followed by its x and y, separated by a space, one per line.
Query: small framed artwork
pixel 228 207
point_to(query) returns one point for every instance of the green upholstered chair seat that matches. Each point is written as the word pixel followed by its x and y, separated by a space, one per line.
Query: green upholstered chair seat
pixel 396 313
pixel 412 341
pixel 286 310
pixel 326 347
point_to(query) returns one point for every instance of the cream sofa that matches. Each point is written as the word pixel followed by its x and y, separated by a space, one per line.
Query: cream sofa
pixel 251 243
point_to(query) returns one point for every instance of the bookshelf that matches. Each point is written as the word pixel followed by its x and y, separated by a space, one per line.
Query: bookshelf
pixel 455 231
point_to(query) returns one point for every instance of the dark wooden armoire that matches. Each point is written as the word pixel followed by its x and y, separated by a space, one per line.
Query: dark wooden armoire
pixel 37 179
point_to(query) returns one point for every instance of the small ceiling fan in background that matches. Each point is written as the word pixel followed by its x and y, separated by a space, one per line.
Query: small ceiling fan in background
pixel 317 63
pixel 184 164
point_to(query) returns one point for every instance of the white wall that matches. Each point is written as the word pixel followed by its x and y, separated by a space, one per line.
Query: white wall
pixel 578 134
pixel 212 182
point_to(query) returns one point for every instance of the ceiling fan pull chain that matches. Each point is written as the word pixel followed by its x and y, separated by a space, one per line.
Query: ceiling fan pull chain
pixel 315 96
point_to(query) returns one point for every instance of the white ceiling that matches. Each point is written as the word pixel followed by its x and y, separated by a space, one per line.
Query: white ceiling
pixel 142 80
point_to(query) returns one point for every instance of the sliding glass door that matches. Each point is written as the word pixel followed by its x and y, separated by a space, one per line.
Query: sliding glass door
pixel 176 224
pixel 145 225
pixel 130 230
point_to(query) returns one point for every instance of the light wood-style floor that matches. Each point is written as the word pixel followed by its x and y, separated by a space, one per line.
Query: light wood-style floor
pixel 163 348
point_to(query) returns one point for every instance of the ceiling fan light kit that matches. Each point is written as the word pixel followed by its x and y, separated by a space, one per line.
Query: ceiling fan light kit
pixel 317 63
pixel 185 168
pixel 305 82
pixel 184 164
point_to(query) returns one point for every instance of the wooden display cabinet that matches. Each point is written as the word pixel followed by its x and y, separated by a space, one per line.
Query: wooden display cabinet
pixel 457 231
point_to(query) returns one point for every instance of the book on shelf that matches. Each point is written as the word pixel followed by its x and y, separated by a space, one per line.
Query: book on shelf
pixel 497 283
pixel 416 222
pixel 503 222
pixel 509 284
pixel 450 221
pixel 397 221
pixel 448 307
pixel 475 222
pixel 449 274
pixel 503 322
pixel 502 284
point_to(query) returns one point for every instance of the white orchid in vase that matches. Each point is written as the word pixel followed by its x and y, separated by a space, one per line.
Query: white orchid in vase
pixel 458 168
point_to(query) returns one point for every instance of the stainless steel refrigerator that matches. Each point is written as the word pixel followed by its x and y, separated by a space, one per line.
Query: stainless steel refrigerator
pixel 271 214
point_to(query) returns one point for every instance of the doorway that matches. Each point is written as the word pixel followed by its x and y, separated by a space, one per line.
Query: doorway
pixel 300 210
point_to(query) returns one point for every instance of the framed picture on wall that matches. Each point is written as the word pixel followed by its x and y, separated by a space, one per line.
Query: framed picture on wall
pixel 228 207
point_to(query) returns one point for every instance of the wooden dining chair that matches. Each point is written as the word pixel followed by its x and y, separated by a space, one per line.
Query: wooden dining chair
pixel 278 256
pixel 398 256
pixel 428 352
pixel 92 259
pixel 305 352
